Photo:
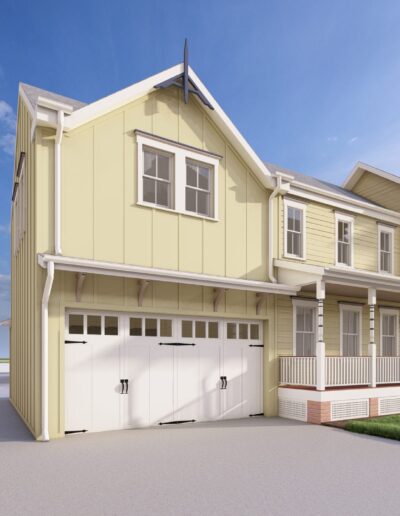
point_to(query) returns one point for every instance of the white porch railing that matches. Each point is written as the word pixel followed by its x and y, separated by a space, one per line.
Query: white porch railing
pixel 342 371
pixel 388 370
pixel 297 371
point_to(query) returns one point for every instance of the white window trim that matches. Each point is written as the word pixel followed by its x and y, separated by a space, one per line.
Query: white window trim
pixel 288 203
pixel 339 217
pixel 180 155
pixel 386 229
pixel 19 211
pixel 359 310
pixel 308 303
pixel 388 311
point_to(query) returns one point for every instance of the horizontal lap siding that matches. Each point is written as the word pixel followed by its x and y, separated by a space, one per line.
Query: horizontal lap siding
pixel 100 217
pixel 379 190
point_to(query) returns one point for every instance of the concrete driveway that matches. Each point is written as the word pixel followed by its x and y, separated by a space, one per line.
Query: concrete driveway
pixel 258 466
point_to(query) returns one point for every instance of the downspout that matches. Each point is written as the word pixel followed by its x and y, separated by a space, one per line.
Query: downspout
pixel 45 350
pixel 57 182
pixel 280 189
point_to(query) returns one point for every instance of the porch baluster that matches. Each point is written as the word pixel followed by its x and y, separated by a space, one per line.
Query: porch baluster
pixel 372 345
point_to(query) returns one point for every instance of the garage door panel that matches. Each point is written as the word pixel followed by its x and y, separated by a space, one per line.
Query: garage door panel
pixel 233 370
pixel 137 363
pixel 209 379
pixel 161 383
pixel 78 387
pixel 252 380
pixel 187 383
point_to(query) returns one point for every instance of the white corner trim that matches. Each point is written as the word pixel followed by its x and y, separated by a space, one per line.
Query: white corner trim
pixel 179 156
pixel 289 203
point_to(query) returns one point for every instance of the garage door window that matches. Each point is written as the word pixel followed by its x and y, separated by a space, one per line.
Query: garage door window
pixel 94 325
pixel 254 331
pixel 151 327
pixel 165 328
pixel 200 329
pixel 231 330
pixel 135 327
pixel 242 331
pixel 75 324
pixel 111 325
pixel 213 330
pixel 187 329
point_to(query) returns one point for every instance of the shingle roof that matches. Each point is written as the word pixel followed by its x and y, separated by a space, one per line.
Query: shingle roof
pixel 318 183
pixel 33 93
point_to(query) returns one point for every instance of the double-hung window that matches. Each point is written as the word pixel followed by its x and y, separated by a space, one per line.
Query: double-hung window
pixel 157 177
pixel 350 329
pixel 304 328
pixel 344 240
pixel 176 177
pixel 198 194
pixel 385 257
pixel 389 322
pixel 294 229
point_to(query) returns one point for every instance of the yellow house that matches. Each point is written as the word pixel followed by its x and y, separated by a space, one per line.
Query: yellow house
pixel 162 273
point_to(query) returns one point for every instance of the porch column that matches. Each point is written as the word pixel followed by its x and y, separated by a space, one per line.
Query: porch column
pixel 320 351
pixel 372 345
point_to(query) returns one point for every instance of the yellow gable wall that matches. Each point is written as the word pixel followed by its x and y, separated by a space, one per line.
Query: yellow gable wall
pixel 379 190
pixel 100 217
pixel 321 238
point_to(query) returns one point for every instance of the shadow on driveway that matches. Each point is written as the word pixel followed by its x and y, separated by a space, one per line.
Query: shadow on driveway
pixel 11 426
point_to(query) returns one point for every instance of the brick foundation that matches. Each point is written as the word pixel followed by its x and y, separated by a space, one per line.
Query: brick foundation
pixel 318 412
pixel 373 407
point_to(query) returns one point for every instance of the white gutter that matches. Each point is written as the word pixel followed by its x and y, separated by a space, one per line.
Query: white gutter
pixel 45 350
pixel 57 182
pixel 66 263
pixel 280 189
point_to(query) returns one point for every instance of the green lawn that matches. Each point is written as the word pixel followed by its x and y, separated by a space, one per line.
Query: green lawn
pixel 383 426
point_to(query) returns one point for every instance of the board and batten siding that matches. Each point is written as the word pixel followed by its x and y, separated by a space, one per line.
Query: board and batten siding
pixel 379 190
pixel 107 293
pixel 321 238
pixel 24 347
pixel 101 219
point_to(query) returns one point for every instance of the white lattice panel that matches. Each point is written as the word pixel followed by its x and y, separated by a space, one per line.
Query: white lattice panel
pixel 293 409
pixel 389 406
pixel 351 409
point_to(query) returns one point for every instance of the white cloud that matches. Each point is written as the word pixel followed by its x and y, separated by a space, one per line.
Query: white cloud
pixel 332 139
pixel 352 140
pixel 7 115
pixel 7 143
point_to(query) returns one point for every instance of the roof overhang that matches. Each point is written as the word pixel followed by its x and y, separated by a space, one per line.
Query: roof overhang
pixel 358 171
pixel 65 263
pixel 299 275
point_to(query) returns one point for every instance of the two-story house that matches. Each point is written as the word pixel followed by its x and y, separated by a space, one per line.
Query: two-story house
pixel 163 273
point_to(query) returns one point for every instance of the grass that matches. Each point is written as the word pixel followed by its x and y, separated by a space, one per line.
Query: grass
pixel 4 360
pixel 383 426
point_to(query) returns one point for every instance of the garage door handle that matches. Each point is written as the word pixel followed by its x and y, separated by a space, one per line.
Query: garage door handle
pixel 127 384
pixel 224 382
pixel 123 386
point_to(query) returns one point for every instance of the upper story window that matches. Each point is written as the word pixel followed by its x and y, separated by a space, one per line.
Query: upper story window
pixel 157 178
pixel 385 256
pixel 19 206
pixel 344 240
pixel 294 229
pixel 199 198
pixel 176 177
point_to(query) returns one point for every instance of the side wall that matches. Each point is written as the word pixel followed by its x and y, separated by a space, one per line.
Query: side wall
pixel 119 294
pixel 24 352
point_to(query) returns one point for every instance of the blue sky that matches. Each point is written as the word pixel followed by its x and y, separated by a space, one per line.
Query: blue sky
pixel 313 85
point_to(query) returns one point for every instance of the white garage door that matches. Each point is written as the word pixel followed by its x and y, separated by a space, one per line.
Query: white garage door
pixel 133 371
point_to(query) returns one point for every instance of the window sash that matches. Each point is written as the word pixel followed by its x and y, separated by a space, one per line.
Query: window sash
pixel 305 331
pixel 344 242
pixel 160 192
pixel 294 231
pixel 201 197
pixel 389 335
pixel 350 333
pixel 385 251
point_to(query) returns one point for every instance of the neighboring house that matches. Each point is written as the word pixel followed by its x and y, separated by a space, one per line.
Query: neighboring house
pixel 160 270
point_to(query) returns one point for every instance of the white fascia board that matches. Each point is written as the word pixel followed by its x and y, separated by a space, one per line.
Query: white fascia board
pixel 219 117
pixel 153 274
pixel 119 98
pixel 342 202
pixel 26 101
pixel 339 394
pixel 55 105
pixel 360 168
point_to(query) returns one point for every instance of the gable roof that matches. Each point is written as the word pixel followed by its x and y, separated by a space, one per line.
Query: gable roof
pixel 304 180
pixel 32 94
pixel 82 114
pixel 358 171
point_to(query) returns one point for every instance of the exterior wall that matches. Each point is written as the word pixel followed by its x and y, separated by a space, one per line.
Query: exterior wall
pixel 100 217
pixel 24 351
pixel 284 334
pixel 120 294
pixel 379 190
pixel 321 238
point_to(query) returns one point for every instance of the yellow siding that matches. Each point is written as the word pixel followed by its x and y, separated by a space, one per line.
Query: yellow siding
pixel 24 352
pixel 100 217
pixel 378 190
pixel 120 294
